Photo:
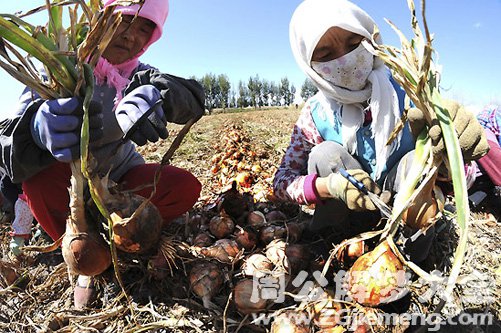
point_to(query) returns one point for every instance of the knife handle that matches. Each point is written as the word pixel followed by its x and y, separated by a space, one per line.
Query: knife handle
pixel 359 185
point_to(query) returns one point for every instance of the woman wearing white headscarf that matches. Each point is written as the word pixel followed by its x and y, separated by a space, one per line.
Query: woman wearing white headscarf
pixel 348 122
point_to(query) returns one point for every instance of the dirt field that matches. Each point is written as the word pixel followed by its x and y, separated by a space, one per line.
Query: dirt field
pixel 36 291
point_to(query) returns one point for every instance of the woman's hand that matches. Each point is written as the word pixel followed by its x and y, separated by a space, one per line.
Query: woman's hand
pixel 471 134
pixel 338 187
pixel 57 124
pixel 141 116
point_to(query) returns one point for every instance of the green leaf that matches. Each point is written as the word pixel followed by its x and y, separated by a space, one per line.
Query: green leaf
pixel 55 21
pixel 33 47
pixel 47 42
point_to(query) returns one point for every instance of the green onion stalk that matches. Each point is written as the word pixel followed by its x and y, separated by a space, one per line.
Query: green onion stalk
pixel 413 68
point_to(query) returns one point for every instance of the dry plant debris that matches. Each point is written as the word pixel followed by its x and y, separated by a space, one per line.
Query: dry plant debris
pixel 36 292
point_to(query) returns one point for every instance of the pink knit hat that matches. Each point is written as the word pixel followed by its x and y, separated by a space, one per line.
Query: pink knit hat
pixel 153 10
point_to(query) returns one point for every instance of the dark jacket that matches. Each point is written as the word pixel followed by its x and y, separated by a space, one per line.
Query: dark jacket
pixel 22 158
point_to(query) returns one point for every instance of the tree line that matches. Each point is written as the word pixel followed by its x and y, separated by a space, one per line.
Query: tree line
pixel 255 92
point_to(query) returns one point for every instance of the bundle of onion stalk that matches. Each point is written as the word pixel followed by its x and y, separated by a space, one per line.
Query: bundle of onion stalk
pixel 415 204
pixel 68 56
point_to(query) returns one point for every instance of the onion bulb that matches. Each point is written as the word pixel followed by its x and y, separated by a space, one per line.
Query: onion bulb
pixel 298 257
pixel 256 219
pixel 233 202
pixel 257 265
pixel 294 232
pixel 84 250
pixel 423 209
pixel 275 216
pixel 271 232
pixel 137 223
pixel 275 251
pixel 223 250
pixel 349 253
pixel 246 239
pixel 377 277
pixel 221 226
pixel 85 253
pixel 206 279
pixel 194 223
pixel 290 321
pixel 326 313
pixel 202 240
pixel 244 300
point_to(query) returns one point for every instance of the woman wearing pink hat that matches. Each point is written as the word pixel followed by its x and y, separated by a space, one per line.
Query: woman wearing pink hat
pixel 132 104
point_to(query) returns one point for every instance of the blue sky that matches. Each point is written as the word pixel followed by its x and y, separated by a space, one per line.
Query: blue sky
pixel 244 38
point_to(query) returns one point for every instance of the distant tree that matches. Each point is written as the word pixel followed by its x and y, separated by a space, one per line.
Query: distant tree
pixel 284 90
pixel 251 86
pixel 265 93
pixel 233 99
pixel 211 88
pixel 243 95
pixel 274 93
pixel 255 89
pixel 308 89
pixel 224 87
pixel 286 93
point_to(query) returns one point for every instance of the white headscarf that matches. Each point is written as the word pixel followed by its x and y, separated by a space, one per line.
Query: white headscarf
pixel 309 23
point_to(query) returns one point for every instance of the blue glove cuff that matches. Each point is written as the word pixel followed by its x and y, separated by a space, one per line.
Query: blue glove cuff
pixel 35 132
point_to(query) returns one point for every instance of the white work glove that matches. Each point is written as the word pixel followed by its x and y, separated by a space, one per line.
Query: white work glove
pixel 340 188
pixel 15 245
